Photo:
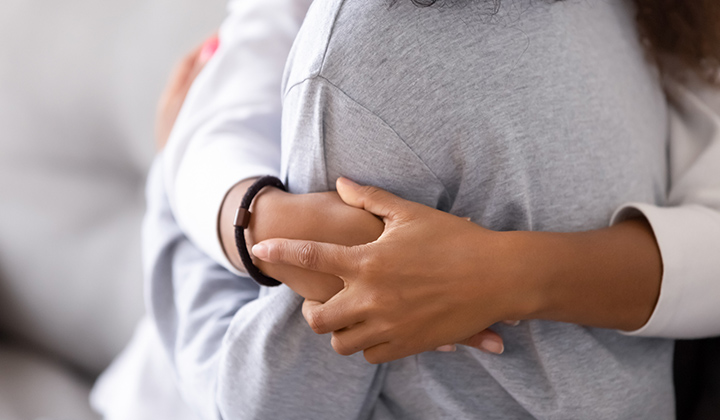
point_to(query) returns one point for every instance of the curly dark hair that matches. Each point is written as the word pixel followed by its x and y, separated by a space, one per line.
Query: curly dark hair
pixel 684 31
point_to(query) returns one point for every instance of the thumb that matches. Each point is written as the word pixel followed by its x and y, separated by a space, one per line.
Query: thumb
pixel 375 200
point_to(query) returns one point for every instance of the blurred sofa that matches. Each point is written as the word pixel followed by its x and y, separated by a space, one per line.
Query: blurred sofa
pixel 79 80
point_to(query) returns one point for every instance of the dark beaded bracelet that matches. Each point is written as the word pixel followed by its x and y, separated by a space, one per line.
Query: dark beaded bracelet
pixel 242 221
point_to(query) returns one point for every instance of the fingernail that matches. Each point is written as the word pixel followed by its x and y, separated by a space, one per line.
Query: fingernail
pixel 260 251
pixel 346 182
pixel 492 346
pixel 448 348
pixel 208 49
pixel 512 323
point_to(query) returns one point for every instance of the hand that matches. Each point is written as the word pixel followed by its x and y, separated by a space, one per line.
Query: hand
pixel 322 217
pixel 431 279
pixel 176 90
pixel 319 217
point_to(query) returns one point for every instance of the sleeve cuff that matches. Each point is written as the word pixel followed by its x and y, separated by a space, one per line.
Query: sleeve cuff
pixel 689 241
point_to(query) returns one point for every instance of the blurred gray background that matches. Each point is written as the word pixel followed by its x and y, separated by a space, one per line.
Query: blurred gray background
pixel 79 82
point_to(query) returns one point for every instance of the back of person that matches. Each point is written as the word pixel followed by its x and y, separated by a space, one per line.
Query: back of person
pixel 536 116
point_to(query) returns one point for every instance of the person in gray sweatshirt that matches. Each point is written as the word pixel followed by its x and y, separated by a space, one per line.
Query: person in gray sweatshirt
pixel 535 116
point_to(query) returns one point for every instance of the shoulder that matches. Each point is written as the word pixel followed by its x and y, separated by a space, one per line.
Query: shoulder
pixel 338 35
pixel 308 51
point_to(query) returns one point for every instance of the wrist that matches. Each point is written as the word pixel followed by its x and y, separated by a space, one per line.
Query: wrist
pixel 542 267
pixel 271 198
pixel 320 217
pixel 270 210
pixel 606 278
pixel 530 296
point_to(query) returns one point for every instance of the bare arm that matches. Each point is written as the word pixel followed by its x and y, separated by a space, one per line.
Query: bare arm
pixel 319 217
pixel 607 278
pixel 224 341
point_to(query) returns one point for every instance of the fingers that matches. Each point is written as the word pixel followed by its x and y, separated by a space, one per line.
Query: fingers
pixel 383 353
pixel 325 318
pixel 353 339
pixel 493 342
pixel 327 258
pixel 375 200
pixel 191 65
pixel 194 62
pixel 448 348
pixel 487 341
pixel 208 49
pixel 176 90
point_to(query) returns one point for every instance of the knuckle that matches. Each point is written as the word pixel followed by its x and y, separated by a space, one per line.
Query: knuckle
pixel 388 202
pixel 370 191
pixel 340 346
pixel 308 257
pixel 368 263
pixel 315 321
pixel 385 328
pixel 374 300
pixel 307 309
pixel 373 357
pixel 369 303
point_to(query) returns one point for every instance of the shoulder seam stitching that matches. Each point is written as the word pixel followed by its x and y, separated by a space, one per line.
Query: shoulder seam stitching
pixel 385 123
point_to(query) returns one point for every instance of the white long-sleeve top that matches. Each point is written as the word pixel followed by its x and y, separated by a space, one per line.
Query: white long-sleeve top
pixel 688 229
pixel 229 127
pixel 229 130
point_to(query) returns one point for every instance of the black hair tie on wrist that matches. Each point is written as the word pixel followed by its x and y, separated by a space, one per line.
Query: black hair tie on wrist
pixel 242 221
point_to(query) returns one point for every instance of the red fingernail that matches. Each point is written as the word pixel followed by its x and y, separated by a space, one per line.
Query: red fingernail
pixel 208 49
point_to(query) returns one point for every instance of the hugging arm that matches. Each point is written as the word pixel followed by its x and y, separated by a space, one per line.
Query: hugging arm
pixel 240 353
pixel 660 271
pixel 229 126
pixel 237 351
pixel 228 133
pixel 687 230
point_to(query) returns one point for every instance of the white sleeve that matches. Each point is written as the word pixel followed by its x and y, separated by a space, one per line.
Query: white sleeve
pixel 688 230
pixel 239 351
pixel 229 127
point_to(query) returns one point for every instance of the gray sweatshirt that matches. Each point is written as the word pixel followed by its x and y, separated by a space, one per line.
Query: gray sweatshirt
pixel 542 116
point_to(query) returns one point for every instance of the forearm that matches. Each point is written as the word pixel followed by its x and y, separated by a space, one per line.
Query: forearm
pixel 321 217
pixel 232 350
pixel 606 278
